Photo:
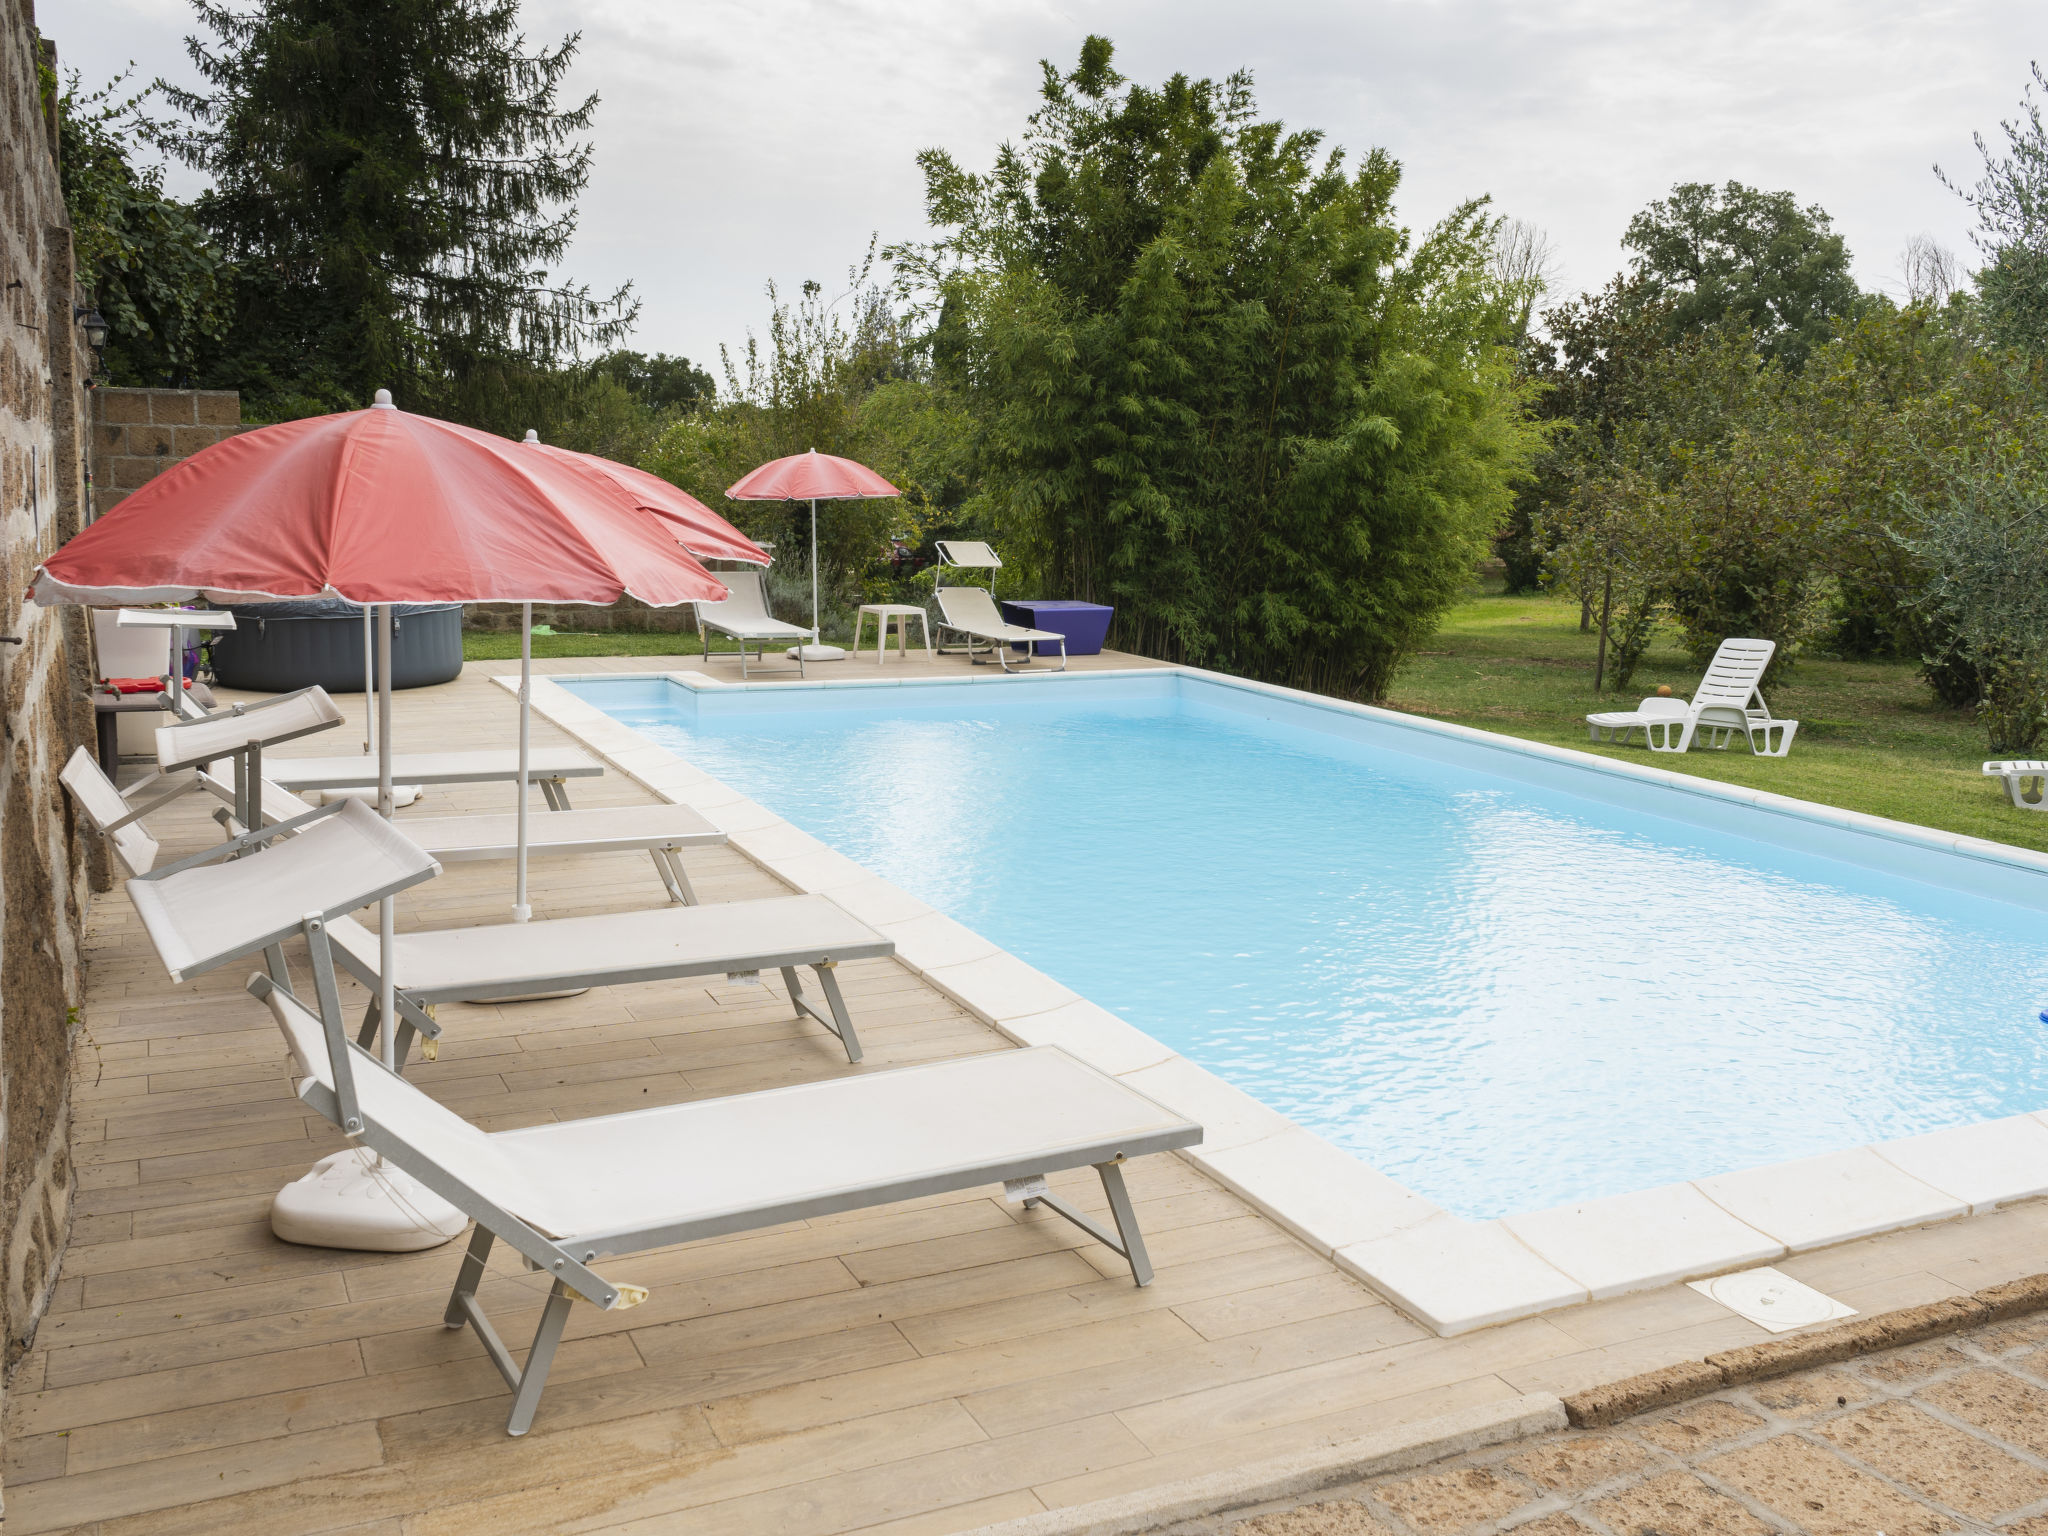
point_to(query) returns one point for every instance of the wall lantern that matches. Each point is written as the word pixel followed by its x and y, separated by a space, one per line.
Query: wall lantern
pixel 94 325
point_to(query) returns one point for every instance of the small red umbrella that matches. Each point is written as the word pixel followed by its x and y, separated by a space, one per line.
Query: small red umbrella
pixel 812 477
pixel 702 531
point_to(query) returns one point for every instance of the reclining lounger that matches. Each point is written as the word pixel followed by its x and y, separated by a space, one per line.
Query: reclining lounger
pixel 2025 780
pixel 442 965
pixel 568 1194
pixel 744 616
pixel 972 612
pixel 661 831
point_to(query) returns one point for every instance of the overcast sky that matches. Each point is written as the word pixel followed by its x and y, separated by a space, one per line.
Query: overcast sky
pixel 740 140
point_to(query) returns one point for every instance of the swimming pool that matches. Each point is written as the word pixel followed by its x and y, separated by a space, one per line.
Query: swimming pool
pixel 1506 981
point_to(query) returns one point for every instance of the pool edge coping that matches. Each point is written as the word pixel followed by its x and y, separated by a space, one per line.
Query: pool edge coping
pixel 1452 1274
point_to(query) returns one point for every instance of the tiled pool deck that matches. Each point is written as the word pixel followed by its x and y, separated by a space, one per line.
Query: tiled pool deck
pixel 930 1367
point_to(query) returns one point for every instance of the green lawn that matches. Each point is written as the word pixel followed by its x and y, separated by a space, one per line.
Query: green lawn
pixel 505 647
pixel 1871 737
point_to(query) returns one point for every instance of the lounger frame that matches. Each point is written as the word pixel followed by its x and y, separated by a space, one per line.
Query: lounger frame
pixel 567 1261
pixel 415 1003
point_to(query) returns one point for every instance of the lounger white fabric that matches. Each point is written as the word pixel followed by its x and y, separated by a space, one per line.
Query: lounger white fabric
pixel 209 909
pixel 2026 780
pixel 242 728
pixel 548 767
pixel 107 810
pixel 744 617
pixel 567 1194
pixel 660 831
pixel 972 612
pixel 618 949
pixel 1727 700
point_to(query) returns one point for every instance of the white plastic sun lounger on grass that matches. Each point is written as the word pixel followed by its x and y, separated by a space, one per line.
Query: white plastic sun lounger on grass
pixel 2026 780
pixel 972 612
pixel 569 1194
pixel 659 831
pixel 1727 700
pixel 611 949
pixel 744 616
pixel 547 767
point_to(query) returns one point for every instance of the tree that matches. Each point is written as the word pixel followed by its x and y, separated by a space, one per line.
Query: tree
pixel 155 274
pixel 660 382
pixel 2011 201
pixel 1524 266
pixel 1215 384
pixel 831 374
pixel 392 178
pixel 1758 259
pixel 1984 536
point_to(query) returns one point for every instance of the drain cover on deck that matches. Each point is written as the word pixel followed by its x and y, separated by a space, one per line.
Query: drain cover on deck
pixel 1772 1300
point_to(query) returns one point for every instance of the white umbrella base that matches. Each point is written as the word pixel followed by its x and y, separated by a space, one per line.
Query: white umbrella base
pixel 354 1199
pixel 818 652
pixel 401 794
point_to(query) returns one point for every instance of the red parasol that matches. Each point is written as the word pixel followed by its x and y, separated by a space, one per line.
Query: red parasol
pixel 376 506
pixel 812 477
pixel 702 531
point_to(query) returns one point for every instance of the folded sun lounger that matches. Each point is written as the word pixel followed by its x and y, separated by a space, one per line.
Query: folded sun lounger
pixel 504 960
pixel 568 1194
pixel 744 616
pixel 2019 775
pixel 660 831
pixel 1727 700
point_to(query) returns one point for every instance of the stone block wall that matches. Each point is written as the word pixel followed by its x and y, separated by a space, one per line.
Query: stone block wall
pixel 137 434
pixel 46 855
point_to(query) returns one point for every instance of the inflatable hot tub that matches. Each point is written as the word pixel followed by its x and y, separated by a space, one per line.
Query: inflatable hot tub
pixel 276 647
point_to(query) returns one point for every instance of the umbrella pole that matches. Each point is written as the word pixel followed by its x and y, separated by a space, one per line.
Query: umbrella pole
pixel 387 933
pixel 520 910
pixel 369 681
pixel 816 637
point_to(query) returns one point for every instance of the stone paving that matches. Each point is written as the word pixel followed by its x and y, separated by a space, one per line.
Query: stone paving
pixel 1945 1436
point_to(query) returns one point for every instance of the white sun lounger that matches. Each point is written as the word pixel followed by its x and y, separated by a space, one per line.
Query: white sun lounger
pixel 106 808
pixel 744 616
pixel 503 960
pixel 2019 774
pixel 548 767
pixel 972 612
pixel 1727 700
pixel 568 1194
pixel 217 906
pixel 660 831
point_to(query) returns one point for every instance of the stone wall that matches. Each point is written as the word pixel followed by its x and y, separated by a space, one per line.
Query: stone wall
pixel 46 856
pixel 137 434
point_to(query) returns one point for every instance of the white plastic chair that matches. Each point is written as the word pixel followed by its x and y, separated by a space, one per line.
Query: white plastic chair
pixel 1727 700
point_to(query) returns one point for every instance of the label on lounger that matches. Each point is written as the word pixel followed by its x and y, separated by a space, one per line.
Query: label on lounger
pixel 1016 1191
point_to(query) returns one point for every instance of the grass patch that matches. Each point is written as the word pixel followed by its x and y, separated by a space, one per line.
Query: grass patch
pixel 479 645
pixel 1871 736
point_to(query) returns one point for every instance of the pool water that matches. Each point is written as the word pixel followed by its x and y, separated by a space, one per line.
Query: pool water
pixel 1506 983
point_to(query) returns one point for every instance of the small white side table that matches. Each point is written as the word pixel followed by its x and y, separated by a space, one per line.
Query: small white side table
pixel 902 613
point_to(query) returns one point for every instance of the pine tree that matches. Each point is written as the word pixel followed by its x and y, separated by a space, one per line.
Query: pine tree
pixel 392 179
